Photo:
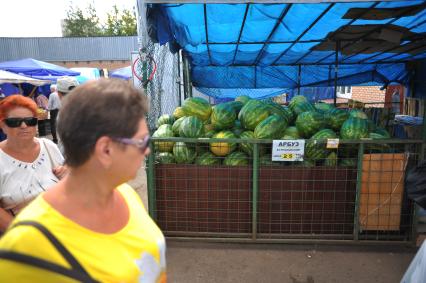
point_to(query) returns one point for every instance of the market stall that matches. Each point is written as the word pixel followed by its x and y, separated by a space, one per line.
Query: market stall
pixel 348 183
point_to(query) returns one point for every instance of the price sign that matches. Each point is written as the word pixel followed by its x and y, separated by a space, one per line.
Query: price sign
pixel 288 150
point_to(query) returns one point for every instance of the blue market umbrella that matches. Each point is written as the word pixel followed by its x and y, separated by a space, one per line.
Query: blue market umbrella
pixel 36 69
pixel 122 73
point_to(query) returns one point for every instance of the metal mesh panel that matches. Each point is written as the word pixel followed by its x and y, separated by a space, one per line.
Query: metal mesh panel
pixel 163 89
pixel 358 195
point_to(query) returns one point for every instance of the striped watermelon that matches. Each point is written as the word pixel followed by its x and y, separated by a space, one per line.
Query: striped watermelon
pixel 331 160
pixel 191 127
pixel 271 128
pixel 223 148
pixel 236 158
pixel 165 119
pixel 302 107
pixel 252 113
pixel 237 105
pixel 176 126
pixel 335 118
pixel 354 128
pixel 247 147
pixel 291 133
pixel 208 158
pixel 315 150
pixel 197 106
pixel 348 162
pixel 164 131
pixel 243 98
pixel 310 122
pixel 178 113
pixel 275 108
pixel 323 107
pixel 184 153
pixel 164 158
pixel 209 134
pixel 223 116
pixel 357 113
pixel 382 132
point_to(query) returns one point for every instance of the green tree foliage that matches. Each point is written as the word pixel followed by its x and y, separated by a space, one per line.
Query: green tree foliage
pixel 120 23
pixel 80 23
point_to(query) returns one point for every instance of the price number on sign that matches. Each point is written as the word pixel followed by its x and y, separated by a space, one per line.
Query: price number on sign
pixel 287 156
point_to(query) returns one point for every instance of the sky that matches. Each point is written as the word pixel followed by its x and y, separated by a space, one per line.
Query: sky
pixel 42 18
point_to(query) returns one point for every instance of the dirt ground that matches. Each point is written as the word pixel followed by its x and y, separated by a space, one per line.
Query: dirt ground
pixel 192 262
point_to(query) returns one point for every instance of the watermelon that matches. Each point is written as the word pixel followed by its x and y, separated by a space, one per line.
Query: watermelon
pixel 191 127
pixel 223 116
pixel 236 158
pixel 247 147
pixel 382 132
pixel 184 153
pixel 176 126
pixel 297 99
pixel 310 122
pixel 243 98
pixel 315 150
pixel 275 108
pixel 271 128
pixel 335 118
pixel 178 113
pixel 377 147
pixel 291 133
pixel 208 127
pixel 223 148
pixel 331 159
pixel 164 131
pixel 323 107
pixel 165 119
pixel 348 162
pixel 197 106
pixel 357 113
pixel 207 158
pixel 301 107
pixel 237 105
pixel 354 128
pixel 164 158
pixel 209 134
pixel 252 113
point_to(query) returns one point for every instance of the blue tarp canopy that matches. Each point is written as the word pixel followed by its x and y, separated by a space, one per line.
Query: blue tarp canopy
pixel 37 69
pixel 291 45
pixel 122 73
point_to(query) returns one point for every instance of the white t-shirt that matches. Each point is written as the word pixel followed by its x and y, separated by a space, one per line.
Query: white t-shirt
pixel 54 101
pixel 20 182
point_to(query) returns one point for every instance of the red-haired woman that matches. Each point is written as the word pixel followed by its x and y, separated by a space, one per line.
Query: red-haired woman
pixel 28 165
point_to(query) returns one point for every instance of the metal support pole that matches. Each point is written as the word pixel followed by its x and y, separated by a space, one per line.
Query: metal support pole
pixel 186 77
pixel 336 67
pixel 255 189
pixel 151 185
pixel 298 79
pixel 358 191
pixel 424 125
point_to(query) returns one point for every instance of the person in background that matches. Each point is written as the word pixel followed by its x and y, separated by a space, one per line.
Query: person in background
pixel 396 102
pixel 54 104
pixel 99 220
pixel 28 165
pixel 42 104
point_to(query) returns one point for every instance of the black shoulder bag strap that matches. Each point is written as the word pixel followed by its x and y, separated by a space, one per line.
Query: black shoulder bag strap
pixel 76 272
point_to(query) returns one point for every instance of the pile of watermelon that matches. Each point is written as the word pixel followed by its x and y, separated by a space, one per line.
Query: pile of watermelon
pixel 246 118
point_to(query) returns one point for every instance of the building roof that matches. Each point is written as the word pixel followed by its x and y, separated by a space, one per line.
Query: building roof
pixel 66 49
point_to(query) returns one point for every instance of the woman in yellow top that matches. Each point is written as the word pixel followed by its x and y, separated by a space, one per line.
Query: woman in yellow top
pixel 90 226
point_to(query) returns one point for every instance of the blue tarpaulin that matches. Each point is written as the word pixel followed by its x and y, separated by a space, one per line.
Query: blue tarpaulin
pixel 36 69
pixel 286 46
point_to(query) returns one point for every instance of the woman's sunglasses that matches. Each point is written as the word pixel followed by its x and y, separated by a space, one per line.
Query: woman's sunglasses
pixel 141 144
pixel 16 122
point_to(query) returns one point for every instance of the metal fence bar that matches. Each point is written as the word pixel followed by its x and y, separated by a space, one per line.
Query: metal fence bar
pixel 255 189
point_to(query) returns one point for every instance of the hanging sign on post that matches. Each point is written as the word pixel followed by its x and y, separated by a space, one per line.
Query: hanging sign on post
pixel 288 150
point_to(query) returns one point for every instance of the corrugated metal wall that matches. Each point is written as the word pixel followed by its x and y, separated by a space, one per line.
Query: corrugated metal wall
pixel 68 48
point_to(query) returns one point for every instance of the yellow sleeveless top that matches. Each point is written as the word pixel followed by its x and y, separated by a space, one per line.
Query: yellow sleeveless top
pixel 136 253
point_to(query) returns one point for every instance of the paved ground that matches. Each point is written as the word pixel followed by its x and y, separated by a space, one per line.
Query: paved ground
pixel 192 262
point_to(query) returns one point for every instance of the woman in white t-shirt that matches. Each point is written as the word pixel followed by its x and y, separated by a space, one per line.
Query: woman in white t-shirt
pixel 28 165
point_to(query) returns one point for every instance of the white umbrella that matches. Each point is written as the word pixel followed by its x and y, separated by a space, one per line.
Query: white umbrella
pixel 12 78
